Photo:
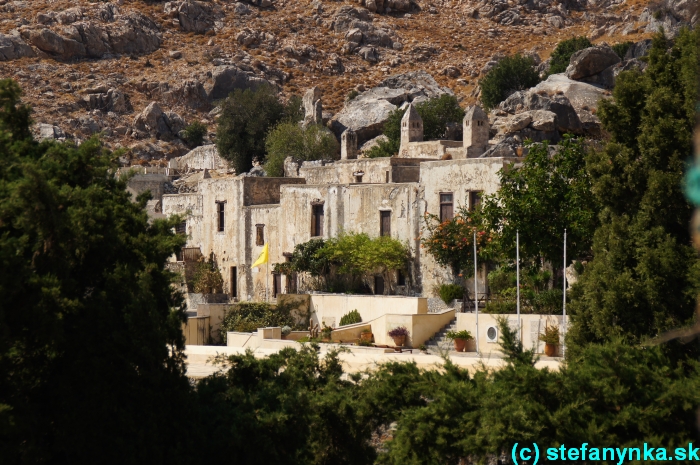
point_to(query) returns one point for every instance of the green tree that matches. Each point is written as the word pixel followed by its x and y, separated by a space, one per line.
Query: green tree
pixel 91 352
pixel 511 74
pixel 245 119
pixel 561 55
pixel 194 134
pixel 289 139
pixel 436 114
pixel 541 198
pixel 645 277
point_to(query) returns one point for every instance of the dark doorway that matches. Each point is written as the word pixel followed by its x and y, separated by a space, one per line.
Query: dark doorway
pixel 385 223
pixel 276 284
pixel 379 285
pixel 316 220
pixel 234 282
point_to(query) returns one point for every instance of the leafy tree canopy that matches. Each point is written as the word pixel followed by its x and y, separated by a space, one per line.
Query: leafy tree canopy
pixel 91 352
pixel 645 276
pixel 289 139
pixel 246 118
pixel 511 74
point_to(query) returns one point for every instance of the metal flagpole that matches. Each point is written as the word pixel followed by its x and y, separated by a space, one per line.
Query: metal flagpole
pixel 267 279
pixel 517 280
pixel 563 346
pixel 476 302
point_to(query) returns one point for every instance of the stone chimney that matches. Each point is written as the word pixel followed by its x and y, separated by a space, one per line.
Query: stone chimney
pixel 411 127
pixel 313 108
pixel 476 131
pixel 348 145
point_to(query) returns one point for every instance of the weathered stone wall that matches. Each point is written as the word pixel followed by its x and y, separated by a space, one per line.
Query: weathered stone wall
pixel 200 158
pixel 459 177
pixel 264 190
pixel 374 170
pixel 147 182
pixel 431 150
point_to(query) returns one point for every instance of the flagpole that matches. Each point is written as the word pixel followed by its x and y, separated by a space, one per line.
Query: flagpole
pixel 267 279
pixel 517 280
pixel 476 302
pixel 563 346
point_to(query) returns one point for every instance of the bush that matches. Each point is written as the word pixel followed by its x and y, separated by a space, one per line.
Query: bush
pixel 450 292
pixel 561 56
pixel 621 49
pixel 289 139
pixel 351 318
pixel 247 317
pixel 207 279
pixel 464 334
pixel 511 74
pixel 550 335
pixel 194 134
pixel 246 118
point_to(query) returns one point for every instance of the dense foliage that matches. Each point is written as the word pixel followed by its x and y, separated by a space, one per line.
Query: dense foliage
pixel 350 318
pixel 621 48
pixel 247 317
pixel 451 242
pixel 645 277
pixel 91 346
pixel 535 294
pixel 511 74
pixel 561 56
pixel 549 192
pixel 436 114
pixel 290 139
pixel 194 134
pixel 450 292
pixel 207 278
pixel 245 119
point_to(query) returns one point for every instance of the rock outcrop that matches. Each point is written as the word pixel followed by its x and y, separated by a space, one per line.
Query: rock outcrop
pixel 591 61
pixel 128 34
pixel 13 47
pixel 193 16
pixel 157 123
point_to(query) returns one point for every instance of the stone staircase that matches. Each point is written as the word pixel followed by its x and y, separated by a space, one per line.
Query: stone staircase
pixel 439 340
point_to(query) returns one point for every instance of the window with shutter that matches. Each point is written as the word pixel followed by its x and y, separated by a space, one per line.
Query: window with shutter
pixel 259 234
pixel 385 223
pixel 317 218
pixel 474 199
pixel 446 206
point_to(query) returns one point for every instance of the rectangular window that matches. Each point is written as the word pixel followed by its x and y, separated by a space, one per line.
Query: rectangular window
pixel 387 176
pixel 276 284
pixel 379 285
pixel 385 223
pixel 474 199
pixel 220 215
pixel 316 220
pixel 446 207
pixel 400 278
pixel 181 228
pixel 234 282
pixel 358 178
pixel 259 234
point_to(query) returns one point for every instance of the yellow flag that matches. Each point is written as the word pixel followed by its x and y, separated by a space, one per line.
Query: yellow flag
pixel 262 259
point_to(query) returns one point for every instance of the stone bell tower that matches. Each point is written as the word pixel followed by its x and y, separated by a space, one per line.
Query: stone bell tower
pixel 476 131
pixel 411 127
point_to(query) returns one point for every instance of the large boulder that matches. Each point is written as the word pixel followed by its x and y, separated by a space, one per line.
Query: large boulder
pixel 13 47
pixel 591 61
pixel 367 113
pixel 580 94
pixel 157 123
pixel 129 34
pixel 224 79
pixel 194 16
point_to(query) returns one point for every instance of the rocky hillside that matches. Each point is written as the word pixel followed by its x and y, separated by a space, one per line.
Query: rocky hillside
pixel 139 71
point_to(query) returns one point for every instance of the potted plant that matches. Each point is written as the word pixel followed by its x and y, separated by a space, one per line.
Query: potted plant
pixel 550 337
pixel 460 339
pixel 366 335
pixel 285 331
pixel 326 333
pixel 399 335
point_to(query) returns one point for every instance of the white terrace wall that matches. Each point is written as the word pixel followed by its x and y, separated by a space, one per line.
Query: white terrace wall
pixel 531 325
pixel 328 309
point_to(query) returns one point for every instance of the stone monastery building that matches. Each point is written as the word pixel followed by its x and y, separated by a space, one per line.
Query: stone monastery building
pixel 233 217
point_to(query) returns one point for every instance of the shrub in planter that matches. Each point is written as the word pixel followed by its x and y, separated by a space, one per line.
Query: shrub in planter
pixel 351 318
pixel 460 338
pixel 450 292
pixel 366 335
pixel 550 337
pixel 399 335
pixel 285 331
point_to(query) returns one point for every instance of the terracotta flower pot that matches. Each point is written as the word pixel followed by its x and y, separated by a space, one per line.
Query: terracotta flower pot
pixel 460 344
pixel 550 349
pixel 399 341
pixel 366 337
